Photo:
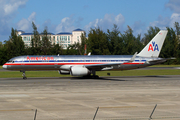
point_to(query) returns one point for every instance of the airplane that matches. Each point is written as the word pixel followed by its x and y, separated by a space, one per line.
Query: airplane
pixel 87 65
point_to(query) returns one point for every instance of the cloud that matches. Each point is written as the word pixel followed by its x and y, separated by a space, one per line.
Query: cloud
pixel 66 25
pixel 107 22
pixel 138 27
pixel 8 11
pixel 173 5
pixel 79 21
pixel 32 17
pixel 163 22
pixel 50 27
pixel 175 17
pixel 26 24
pixel 12 5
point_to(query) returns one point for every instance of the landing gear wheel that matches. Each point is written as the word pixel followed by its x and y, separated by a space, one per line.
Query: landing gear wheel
pixel 95 76
pixel 24 75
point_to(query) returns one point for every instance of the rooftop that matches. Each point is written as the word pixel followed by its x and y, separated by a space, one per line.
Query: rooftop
pixel 27 34
pixel 48 34
pixel 64 33
pixel 20 30
pixel 61 33
pixel 78 29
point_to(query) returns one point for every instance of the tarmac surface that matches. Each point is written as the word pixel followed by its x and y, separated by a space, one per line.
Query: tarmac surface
pixel 76 98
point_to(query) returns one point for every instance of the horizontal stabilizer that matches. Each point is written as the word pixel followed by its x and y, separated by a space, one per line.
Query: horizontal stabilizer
pixel 133 58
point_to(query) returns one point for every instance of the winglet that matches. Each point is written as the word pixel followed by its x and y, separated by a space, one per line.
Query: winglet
pixel 153 48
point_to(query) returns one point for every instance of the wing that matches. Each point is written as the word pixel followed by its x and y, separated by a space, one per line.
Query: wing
pixel 107 66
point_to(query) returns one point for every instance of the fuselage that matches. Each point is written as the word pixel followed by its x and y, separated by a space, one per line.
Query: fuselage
pixel 54 62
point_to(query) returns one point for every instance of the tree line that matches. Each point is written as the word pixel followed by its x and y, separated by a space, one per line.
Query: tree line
pixel 98 42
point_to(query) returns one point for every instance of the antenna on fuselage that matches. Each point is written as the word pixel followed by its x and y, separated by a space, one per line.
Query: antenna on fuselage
pixel 89 53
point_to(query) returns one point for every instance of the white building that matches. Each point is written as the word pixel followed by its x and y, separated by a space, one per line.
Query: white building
pixel 63 38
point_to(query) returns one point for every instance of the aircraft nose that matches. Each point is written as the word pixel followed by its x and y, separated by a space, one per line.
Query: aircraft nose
pixel 4 66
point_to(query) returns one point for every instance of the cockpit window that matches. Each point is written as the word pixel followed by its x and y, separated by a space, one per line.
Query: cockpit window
pixel 9 61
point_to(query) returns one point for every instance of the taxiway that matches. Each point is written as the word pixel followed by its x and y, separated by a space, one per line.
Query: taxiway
pixel 77 98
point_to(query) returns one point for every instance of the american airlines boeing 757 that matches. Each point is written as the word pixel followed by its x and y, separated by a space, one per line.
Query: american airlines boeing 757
pixel 81 65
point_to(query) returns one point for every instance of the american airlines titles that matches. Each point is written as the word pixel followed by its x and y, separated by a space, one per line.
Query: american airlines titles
pixel 40 58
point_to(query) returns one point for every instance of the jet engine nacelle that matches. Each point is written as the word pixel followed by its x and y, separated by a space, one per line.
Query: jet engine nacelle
pixel 79 71
pixel 64 72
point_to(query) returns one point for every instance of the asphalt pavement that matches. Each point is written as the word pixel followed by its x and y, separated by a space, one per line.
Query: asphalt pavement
pixel 77 98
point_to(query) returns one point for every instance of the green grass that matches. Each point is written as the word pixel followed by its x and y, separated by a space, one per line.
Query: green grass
pixel 140 72
pixel 165 66
pixel 17 74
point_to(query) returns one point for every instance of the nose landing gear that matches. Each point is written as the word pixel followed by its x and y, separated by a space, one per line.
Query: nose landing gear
pixel 24 75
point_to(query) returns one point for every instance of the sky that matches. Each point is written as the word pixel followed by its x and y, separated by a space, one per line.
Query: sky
pixel 68 15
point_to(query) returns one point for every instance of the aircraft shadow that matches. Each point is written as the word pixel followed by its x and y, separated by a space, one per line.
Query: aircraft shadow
pixel 112 78
pixel 100 78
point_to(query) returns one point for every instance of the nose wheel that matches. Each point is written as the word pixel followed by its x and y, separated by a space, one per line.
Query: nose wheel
pixel 24 75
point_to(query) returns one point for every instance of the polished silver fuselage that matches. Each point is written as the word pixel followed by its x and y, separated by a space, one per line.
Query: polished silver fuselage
pixel 64 62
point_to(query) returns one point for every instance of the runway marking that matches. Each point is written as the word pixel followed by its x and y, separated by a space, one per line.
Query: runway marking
pixel 120 107
pixel 17 110
pixel 14 95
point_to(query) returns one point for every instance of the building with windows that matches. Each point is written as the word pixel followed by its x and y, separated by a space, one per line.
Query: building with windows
pixel 63 38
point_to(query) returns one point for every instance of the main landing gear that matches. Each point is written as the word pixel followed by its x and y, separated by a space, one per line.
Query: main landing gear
pixel 24 75
pixel 94 74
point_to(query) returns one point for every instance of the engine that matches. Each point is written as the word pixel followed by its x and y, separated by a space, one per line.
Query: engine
pixel 64 72
pixel 79 71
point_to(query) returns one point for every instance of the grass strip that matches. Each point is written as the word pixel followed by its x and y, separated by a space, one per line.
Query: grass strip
pixel 17 74
pixel 165 66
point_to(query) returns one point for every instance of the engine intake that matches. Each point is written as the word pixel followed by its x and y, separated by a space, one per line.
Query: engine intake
pixel 64 72
pixel 79 71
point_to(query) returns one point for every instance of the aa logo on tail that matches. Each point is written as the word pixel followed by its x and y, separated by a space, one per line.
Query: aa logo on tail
pixel 153 47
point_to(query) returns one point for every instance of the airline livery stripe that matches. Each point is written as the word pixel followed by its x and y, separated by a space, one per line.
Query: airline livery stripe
pixel 51 63
pixel 65 63
pixel 78 61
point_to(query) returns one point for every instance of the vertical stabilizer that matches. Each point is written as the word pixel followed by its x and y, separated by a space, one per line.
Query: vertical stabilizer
pixel 153 48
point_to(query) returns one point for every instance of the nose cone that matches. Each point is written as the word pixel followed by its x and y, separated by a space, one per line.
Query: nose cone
pixel 4 66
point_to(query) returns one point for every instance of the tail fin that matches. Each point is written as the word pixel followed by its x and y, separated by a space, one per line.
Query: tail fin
pixel 153 48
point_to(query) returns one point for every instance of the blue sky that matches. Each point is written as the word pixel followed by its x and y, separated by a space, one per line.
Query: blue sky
pixel 67 15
